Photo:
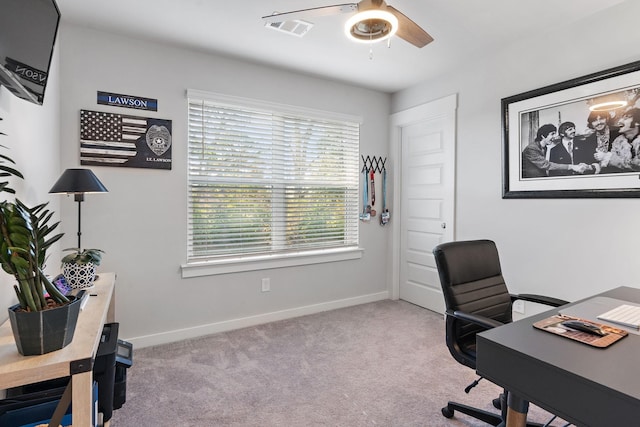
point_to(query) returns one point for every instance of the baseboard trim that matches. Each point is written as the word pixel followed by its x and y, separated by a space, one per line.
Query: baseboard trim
pixel 244 322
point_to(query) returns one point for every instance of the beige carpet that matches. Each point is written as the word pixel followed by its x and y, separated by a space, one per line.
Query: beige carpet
pixel 378 364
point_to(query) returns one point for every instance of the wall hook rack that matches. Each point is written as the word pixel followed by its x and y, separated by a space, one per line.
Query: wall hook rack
pixel 373 163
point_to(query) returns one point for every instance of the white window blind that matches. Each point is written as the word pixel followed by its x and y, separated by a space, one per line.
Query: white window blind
pixel 268 182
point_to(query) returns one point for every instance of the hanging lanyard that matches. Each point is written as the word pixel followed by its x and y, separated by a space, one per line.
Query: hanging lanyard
pixel 365 215
pixel 372 176
pixel 385 216
pixel 365 196
pixel 384 190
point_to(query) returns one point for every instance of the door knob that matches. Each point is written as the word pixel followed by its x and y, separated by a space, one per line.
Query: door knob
pixel 443 225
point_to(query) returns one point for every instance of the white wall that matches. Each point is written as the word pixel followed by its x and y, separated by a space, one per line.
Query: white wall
pixel 567 248
pixel 141 222
pixel 33 142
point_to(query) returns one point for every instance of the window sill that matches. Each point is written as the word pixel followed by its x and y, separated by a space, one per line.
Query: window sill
pixel 264 262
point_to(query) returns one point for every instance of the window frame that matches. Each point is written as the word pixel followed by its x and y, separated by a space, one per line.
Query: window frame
pixel 251 262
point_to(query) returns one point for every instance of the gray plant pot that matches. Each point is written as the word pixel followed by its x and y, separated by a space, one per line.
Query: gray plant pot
pixel 44 331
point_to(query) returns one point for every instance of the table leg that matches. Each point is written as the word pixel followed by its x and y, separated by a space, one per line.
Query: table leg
pixel 82 398
pixel 516 411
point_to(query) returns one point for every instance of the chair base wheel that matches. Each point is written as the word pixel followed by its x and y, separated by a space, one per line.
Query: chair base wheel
pixel 448 413
pixel 497 403
pixel 488 417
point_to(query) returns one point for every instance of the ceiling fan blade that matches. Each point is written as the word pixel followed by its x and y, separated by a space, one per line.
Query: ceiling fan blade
pixel 409 30
pixel 311 13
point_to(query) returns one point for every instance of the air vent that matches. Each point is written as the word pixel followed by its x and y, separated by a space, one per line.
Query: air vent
pixel 294 27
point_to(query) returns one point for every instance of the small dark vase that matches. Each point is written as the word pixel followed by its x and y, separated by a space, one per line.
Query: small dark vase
pixel 45 331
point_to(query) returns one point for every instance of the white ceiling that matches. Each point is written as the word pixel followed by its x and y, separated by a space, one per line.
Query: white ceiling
pixel 462 29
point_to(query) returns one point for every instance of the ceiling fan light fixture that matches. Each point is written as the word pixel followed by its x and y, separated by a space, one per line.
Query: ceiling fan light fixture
pixel 371 26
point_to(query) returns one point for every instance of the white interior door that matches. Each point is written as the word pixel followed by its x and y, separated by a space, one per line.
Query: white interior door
pixel 426 142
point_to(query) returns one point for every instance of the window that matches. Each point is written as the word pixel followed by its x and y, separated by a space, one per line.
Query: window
pixel 269 180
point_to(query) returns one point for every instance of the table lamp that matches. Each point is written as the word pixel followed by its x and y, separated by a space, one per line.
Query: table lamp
pixel 78 182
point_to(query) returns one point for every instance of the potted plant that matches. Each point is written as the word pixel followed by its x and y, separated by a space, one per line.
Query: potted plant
pixel 79 267
pixel 44 319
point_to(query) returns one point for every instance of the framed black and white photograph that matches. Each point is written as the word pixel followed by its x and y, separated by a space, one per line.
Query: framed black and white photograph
pixel 575 139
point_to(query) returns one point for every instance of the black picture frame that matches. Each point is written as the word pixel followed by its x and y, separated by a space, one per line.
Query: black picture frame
pixel 523 114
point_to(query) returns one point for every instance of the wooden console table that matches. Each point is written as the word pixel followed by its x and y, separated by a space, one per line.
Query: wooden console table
pixel 75 360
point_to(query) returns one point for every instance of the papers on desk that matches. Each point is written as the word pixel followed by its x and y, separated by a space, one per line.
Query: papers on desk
pixel 625 315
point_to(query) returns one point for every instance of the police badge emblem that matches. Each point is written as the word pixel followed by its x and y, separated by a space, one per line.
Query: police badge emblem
pixel 158 139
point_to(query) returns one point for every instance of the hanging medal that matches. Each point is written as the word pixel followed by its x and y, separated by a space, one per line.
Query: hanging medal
pixel 366 209
pixel 385 216
pixel 372 180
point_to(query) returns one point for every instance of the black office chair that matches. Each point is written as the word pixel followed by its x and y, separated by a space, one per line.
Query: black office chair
pixel 476 299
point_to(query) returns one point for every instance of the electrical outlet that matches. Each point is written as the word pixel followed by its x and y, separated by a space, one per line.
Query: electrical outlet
pixel 518 306
pixel 266 284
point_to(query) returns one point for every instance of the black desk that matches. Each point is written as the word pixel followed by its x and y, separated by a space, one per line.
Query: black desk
pixel 585 385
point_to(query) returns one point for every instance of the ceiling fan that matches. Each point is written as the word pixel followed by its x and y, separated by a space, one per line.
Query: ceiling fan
pixel 374 21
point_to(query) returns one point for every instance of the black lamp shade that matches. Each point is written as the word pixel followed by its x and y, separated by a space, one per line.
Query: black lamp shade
pixel 78 181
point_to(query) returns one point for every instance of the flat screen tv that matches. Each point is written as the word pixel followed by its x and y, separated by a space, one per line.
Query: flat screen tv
pixel 28 31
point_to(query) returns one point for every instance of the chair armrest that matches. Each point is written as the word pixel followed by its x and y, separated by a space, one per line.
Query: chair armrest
pixel 476 319
pixel 540 299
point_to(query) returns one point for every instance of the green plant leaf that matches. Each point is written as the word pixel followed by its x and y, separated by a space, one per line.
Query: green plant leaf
pixel 26 235
pixel 88 255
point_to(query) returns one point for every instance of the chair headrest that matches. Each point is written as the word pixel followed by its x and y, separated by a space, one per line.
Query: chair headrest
pixel 480 260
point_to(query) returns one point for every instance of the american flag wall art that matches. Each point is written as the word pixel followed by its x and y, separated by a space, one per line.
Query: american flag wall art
pixel 112 139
